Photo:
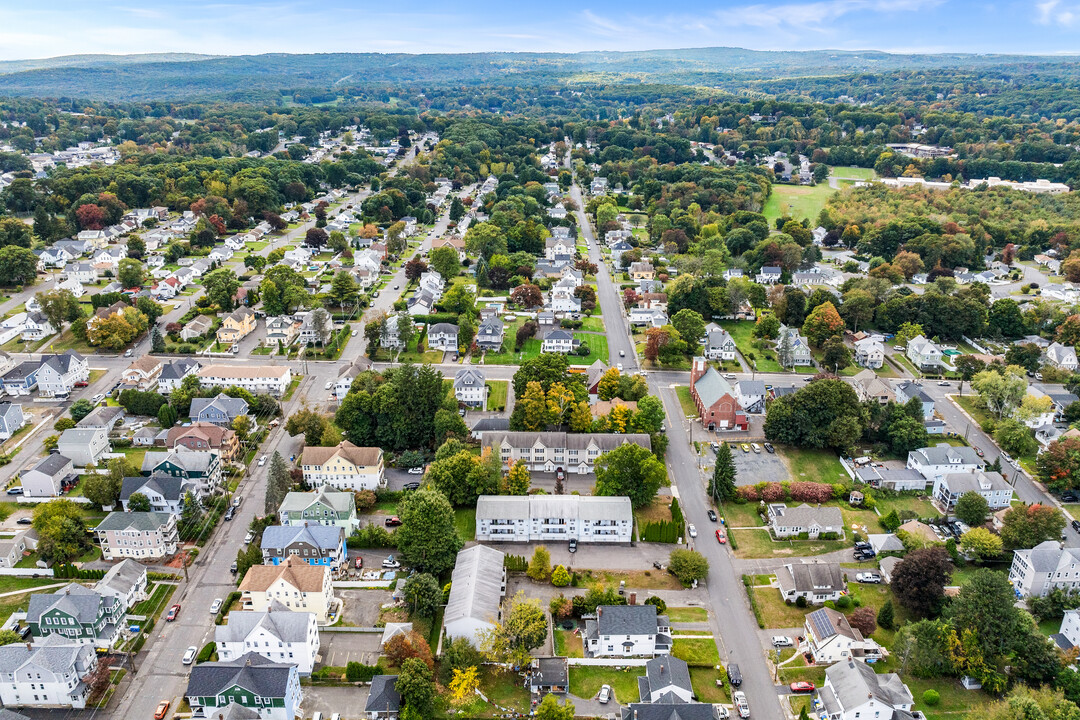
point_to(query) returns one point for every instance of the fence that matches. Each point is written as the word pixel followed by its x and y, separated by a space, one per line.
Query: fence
pixel 848 468
pixel 363 584
pixel 27 572
pixel 609 662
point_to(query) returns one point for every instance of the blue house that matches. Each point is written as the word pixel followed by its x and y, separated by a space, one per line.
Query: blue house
pixel 314 544
pixel 220 410
pixel 907 390
pixel 21 379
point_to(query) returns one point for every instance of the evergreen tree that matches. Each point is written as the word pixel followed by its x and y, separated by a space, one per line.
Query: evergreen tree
pixel 191 517
pixel 885 616
pixel 722 486
pixel 157 342
pixel 277 484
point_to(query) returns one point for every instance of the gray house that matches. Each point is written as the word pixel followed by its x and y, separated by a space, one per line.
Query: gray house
pixel 11 419
pixel 49 476
pixel 84 446
pixel 102 417
pixel 384 702
pixel 165 492
pixel 220 410
pixel 907 390
pixel 489 336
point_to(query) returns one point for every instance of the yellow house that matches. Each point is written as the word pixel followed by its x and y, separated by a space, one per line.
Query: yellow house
pixel 642 271
pixel 345 467
pixel 236 326
pixel 295 584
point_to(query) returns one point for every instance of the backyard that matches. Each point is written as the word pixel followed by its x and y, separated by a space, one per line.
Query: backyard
pixel 742 332
pixel 497 392
pixel 585 682
pixel 759 544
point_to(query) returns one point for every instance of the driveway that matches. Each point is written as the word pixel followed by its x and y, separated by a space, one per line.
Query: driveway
pixel 338 649
pixel 362 606
pixel 598 557
pixel 347 700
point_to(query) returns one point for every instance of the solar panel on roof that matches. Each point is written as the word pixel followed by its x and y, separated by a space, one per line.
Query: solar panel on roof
pixel 823 626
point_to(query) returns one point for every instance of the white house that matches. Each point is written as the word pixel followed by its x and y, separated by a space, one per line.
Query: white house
pixel 477 587
pixel 814 521
pixel 276 634
pixel 553 451
pixel 853 691
pixel 1048 565
pixel 627 631
pixel 274 379
pixel 924 354
pixel 443 336
pixel 48 674
pixel 1070 627
pixel 719 345
pixel 935 462
pixel 769 275
pixel 143 535
pixel 470 388
pixel 869 353
pixel 345 467
pixel 48 477
pixel 559 341
pixel 531 518
pixel 1062 356
pixel 59 374
pixel 817 582
pixel 84 446
pixel 991 485
pixel 831 639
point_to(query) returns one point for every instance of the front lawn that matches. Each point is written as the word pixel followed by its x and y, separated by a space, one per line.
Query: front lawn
pixel 586 681
pixel 921 506
pixel 634 579
pixel 703 681
pixel 685 401
pixel 775 612
pixel 12 583
pixel 752 349
pixel 955 700
pixel 687 614
pixel 697 651
pixel 741 514
pixel 497 394
pixel 758 544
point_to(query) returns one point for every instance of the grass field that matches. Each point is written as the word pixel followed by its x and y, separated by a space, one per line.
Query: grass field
pixel 687 614
pixel 634 579
pixel 685 401
pixel 703 681
pixel 752 349
pixel 775 612
pixel 853 173
pixel 568 644
pixel 585 682
pixel 797 201
pixel 497 393
pixel 822 466
pixel 741 514
pixel 465 522
pixel 758 544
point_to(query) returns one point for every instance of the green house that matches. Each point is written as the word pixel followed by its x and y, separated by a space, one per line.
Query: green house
pixel 251 681
pixel 78 614
pixel 321 507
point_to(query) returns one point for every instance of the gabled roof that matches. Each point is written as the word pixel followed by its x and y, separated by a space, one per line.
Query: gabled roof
pixel 251 671
pixel 854 682
pixel 712 386
pixel 946 455
pixel 298 574
pixel 805 516
pixel 475 585
pixel 121 577
pixel 626 620
pixel 827 623
pixel 821 577
pixel 324 537
pixel 232 407
pixel 140 521
pixel 52 464
pixel 186 460
pixel 62 363
pixel 279 621
pixel 361 456
pixel 665 672
pixel 76 600
pixel 53 653
pixel 469 374
pixel 338 501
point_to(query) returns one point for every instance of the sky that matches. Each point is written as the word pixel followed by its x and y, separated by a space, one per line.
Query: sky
pixel 49 28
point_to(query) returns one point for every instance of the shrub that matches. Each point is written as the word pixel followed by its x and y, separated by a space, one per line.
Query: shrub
pixel 661 606
pixel 206 653
pixel 843 602
pixel 772 492
pixel 365 500
pixel 829 536
pixel 931 697
pixel 810 492
pixel 800 602
pixel 748 492
pixel 560 578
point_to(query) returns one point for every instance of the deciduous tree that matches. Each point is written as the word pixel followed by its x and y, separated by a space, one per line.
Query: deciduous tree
pixel 918 581
pixel 427 539
pixel 629 470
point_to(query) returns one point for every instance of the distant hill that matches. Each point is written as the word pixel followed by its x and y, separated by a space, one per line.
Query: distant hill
pixel 180 76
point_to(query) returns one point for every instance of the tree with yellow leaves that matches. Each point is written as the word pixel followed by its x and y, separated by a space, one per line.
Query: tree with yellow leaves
pixel 518 480
pixel 581 418
pixel 464 684
pixel 559 401
pixel 609 384
pixel 534 407
pixel 618 419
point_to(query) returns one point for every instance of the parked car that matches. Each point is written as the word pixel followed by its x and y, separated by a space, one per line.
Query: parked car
pixel 15 491
pixel 734 675
pixel 691 530
pixel 25 521
pixel 248 538
pixel 1070 497
pixel 739 699
pixel 769 448
pixel 605 694
pixel 622 353
pixel 215 606
pixel 573 545
pixel 802 687
pixel 237 500
pixel 411 486
pixel 869 577
pixel 392 521
pixel 189 655
pixel 262 461
pixel 173 612
pixel 358 563
pixel 782 641
pixel 745 448
pixel 416 471
pixel 1075 525
pixel 729 376
pixel 943 384
pixel 230 513
pixel 721 537
pixel 162 710
pixel 979 452
pixel 756 448
pixel 712 514
pixel 233 568
pixel 329 384
pixel 391 563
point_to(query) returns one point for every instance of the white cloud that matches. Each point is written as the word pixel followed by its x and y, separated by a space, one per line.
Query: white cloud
pixel 1052 12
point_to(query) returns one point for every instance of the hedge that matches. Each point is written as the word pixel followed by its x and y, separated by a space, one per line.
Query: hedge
pixel 233 597
pixel 661 531
pixel 515 563
pixel 206 653
pixel 74 573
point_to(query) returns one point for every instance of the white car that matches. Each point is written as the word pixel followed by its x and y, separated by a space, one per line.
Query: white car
pixel 692 530
pixel 189 656
pixel 868 578
pixel 262 461
pixel 782 641
pixel 729 376
pixel 416 471
pixel 943 384
pixel 248 538
pixel 739 699
pixel 619 366
pixel 215 606
pixel 605 694
pixel 354 333
pixel 329 384
pixel 390 563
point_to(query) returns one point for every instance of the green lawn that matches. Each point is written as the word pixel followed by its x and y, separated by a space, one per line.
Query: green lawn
pixel 703 681
pixel 696 652
pixel 775 612
pixel 855 173
pixel 955 700
pixel 158 599
pixel 598 348
pixel 568 644
pixel 497 393
pixel 687 402
pixel 815 675
pixel 797 201
pixel 586 681
pixel 758 544
pixel 752 349
pixel 687 614
pixel 822 466
pixel 921 506
pixel 465 522
pixel 972 406
pixel 741 514
pixel 11 583
pixel 593 323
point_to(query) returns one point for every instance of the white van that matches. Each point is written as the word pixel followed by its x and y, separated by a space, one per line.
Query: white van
pixel 756 448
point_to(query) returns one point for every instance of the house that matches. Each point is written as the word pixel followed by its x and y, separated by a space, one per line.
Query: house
pixel 204 437
pixel 732 273
pixel 831 639
pixel 103 417
pixel 21 379
pixel 853 690
pixel 788 522
pixel 470 388
pixel 73 286
pixel 84 447
pixel 48 477
pixel 868 386
pixel 602 408
pixel 421 303
pixel 924 354
pixel 165 492
pixel 173 373
pixel 11 419
pixel 383 700
pixel 563 300
pixel 906 391
pixel 48 674
pixel 453 241
pixel 12 549
pixel 236 326
pixel 919 532
pixel 281 330
pixel 202 468
pixel 642 270
pixel 935 462
pixel 299 586
pixel 220 254
pixel 60 373
pixel 76 614
pixel 1047 566
pixel 719 345
pixel 750 395
pixel 443 336
pixel 887 565
pixel 281 636
pixel 814 581
pixel 345 467
pixel 532 518
pixel 489 425
pixel 555 246
pixel 198 327
pixel 36 327
pixel 885 543
pixel 1070 629
pixel 273 379
pixel 489 335
pixel 144 535
pixel 627 631
pixel 617 250
pixel 559 341
pixel 769 275
pixel 715 399
pixel 316 327
pixel 127 581
pixel 251 681
pixel 347 374
pixel 598 186
pixel 991 485
pixel 1062 356
pixel 84 273
pixel 653 317
pixel 313 544
pixel 666 682
pixel 869 353
pixel 221 410
pixel 477 586
pixel 549 675
pixel 319 507
pixel 797 350
pixel 552 451
pixel 143 373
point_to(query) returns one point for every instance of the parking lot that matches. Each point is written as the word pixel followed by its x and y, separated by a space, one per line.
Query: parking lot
pixel 753 468
pixel 338 649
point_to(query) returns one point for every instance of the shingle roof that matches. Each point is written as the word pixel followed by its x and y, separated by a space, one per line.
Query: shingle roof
pixel 298 501
pixel 250 671
pixel 712 386
pixel 805 516
pixel 142 521
pixel 853 682
pixel 286 626
pixel 663 672
pixel 827 622
pixel 324 537
pixel 231 406
pixel 475 585
pixel 383 696
pixel 177 369
pixel 626 620
pixel 169 487
pixel 300 575
pixel 821 577
pixel 76 600
pixel 685 711
pixel 121 577
pixel 362 456
pixel 52 464
pixel 52 652
pixel 186 460
pixel 101 417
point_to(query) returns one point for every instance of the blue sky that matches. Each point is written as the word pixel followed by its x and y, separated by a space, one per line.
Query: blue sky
pixel 62 27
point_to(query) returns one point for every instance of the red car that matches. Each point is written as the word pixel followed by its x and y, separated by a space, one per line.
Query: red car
pixel 802 687
pixel 173 612
pixel 721 537
pixel 392 521
pixel 162 710
pixel 359 562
